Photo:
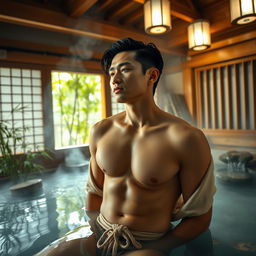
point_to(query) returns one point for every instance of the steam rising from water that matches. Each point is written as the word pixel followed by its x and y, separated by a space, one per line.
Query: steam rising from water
pixel 84 47
pixel 75 158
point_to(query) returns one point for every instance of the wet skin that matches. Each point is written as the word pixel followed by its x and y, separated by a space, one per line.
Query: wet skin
pixel 143 159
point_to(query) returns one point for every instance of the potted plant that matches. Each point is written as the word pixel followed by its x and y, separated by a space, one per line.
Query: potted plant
pixel 18 166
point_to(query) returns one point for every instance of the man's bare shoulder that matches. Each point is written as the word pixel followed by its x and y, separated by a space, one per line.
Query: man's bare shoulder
pixel 101 127
pixel 190 145
pixel 185 136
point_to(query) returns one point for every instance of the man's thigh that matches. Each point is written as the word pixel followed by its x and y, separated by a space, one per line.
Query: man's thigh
pixel 145 252
pixel 79 247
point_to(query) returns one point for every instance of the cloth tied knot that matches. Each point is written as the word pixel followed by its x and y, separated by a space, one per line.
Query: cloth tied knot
pixel 118 236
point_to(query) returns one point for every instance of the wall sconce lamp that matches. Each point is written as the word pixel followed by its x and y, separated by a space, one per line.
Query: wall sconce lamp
pixel 157 17
pixel 243 11
pixel 199 35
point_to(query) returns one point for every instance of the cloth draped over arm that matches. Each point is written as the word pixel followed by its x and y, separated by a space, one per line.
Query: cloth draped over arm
pixel 91 186
pixel 201 200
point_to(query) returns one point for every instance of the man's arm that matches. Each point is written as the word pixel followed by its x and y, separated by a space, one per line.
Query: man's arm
pixel 93 201
pixel 195 157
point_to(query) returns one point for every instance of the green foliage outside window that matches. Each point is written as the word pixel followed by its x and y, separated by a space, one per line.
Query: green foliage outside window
pixel 76 105
pixel 18 167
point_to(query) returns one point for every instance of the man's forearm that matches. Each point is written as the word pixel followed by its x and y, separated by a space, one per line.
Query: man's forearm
pixel 185 231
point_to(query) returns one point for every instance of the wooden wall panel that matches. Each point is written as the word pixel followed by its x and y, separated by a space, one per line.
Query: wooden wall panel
pixel 205 101
pixel 230 89
pixel 240 91
pixel 189 90
pixel 199 97
pixel 253 91
pixel 225 93
pixel 226 102
pixel 213 98
pixel 237 110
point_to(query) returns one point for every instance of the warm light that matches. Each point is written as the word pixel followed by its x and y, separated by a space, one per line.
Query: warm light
pixel 157 16
pixel 199 35
pixel 243 11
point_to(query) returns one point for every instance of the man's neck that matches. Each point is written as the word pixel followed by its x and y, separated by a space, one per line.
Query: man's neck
pixel 142 113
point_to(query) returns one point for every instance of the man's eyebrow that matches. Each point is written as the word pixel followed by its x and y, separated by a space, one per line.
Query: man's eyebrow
pixel 120 65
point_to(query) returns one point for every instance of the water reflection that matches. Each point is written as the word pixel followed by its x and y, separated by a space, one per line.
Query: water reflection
pixel 27 225
pixel 21 223
pixel 70 208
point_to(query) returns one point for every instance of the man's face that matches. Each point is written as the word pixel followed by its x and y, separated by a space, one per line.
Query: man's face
pixel 127 80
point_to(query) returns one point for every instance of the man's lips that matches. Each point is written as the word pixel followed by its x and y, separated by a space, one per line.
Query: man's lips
pixel 117 89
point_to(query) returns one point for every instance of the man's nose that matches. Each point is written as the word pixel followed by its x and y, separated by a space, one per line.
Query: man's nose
pixel 116 79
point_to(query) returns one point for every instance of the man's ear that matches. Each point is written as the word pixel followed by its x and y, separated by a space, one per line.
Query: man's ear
pixel 153 74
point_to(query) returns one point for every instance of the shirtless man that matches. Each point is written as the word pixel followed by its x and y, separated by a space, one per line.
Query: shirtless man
pixel 143 160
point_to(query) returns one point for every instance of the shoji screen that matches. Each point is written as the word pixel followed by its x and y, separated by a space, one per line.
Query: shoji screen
pixel 226 95
pixel 22 86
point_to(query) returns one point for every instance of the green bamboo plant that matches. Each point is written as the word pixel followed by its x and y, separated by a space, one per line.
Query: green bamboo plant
pixel 75 102
pixel 17 167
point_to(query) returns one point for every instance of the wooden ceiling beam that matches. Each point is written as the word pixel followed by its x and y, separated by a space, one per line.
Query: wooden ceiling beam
pixel 220 25
pixel 121 9
pixel 181 11
pixel 228 42
pixel 219 31
pixel 104 5
pixel 191 4
pixel 133 17
pixel 21 14
pixel 139 1
pixel 246 48
pixel 86 65
pixel 184 12
pixel 49 48
pixel 77 8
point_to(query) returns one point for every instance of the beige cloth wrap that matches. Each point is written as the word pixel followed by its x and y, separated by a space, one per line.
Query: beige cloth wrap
pixel 91 186
pixel 199 202
pixel 110 241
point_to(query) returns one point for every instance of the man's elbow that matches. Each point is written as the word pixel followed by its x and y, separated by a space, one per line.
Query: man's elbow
pixel 202 222
pixel 93 202
pixel 205 220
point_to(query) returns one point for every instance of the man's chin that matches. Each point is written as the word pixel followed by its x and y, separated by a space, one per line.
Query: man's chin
pixel 128 100
pixel 121 100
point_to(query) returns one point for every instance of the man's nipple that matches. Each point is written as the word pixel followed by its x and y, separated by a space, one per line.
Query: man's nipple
pixel 154 180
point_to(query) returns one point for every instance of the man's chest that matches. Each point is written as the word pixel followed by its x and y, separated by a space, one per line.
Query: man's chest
pixel 149 158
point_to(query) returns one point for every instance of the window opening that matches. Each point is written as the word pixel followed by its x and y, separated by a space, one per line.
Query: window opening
pixel 77 105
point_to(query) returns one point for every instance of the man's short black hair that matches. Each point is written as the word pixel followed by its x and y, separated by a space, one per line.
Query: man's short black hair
pixel 146 54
